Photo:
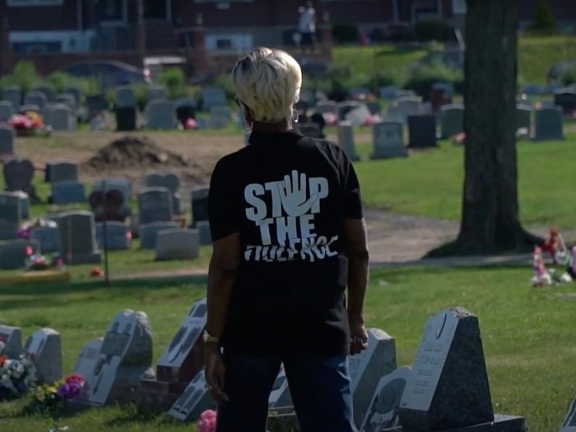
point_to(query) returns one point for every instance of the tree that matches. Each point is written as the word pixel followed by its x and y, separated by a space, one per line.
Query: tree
pixel 490 211
pixel 544 23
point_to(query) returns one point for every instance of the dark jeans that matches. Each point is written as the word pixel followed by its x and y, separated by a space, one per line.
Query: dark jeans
pixel 319 386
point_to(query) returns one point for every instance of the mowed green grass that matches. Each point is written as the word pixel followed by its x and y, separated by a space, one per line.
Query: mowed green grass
pixel 429 183
pixel 527 333
pixel 535 57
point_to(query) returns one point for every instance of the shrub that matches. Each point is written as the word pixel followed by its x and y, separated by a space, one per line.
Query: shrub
pixel 422 78
pixel 568 77
pixel 544 23
pixel 432 29
pixel 345 33
pixel 24 76
pixel 174 80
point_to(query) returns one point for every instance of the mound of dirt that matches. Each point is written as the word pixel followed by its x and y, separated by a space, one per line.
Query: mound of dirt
pixel 133 153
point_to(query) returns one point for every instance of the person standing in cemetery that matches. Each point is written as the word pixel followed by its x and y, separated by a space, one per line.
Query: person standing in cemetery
pixel 288 238
pixel 307 27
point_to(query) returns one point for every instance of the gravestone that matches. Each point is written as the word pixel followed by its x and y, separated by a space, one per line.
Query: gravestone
pixel 126 119
pixel 388 140
pixel 10 216
pixel 170 181
pixel 96 105
pixel 86 362
pixel 448 387
pixel 12 338
pixel 7 141
pixel 126 97
pixel 78 238
pixel 48 237
pixel 47 91
pixel 156 92
pixel 565 98
pixel 346 140
pixel 24 203
pixel 204 232
pixel 280 395
pixel 125 358
pixel 183 359
pixel 199 198
pixel 148 233
pixel 326 107
pixel 382 413
pixel 12 94
pixel 161 114
pixel 76 93
pixel 451 120
pixel 45 347
pixel 549 124
pixel 14 253
pixel 368 367
pixel 62 171
pixel 155 205
pixel 107 206
pixel 359 115
pixel 59 117
pixel 194 401
pixel 68 192
pixel 212 97
pixel 6 110
pixel 177 244
pixel 422 132
pixel 570 421
pixel 35 98
pixel 524 117
pixel 69 100
pixel 18 175
pixel 118 236
pixel 120 184
pixel 408 105
pixel 220 117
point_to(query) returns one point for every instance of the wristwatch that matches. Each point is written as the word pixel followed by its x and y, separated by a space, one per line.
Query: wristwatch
pixel 208 338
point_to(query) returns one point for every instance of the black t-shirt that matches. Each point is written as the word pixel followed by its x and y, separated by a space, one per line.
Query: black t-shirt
pixel 287 195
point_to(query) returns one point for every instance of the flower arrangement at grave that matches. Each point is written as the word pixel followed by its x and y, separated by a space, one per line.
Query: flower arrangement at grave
pixel 28 123
pixel 54 397
pixel 208 421
pixel 18 377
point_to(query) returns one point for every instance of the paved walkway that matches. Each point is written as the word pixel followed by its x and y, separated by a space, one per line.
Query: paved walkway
pixel 472 261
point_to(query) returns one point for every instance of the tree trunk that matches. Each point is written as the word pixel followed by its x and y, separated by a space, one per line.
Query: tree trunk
pixel 490 212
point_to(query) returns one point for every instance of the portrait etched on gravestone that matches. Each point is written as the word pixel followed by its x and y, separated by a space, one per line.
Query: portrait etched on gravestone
pixel 383 410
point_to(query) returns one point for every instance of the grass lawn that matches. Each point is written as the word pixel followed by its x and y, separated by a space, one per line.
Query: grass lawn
pixel 535 57
pixel 430 183
pixel 526 333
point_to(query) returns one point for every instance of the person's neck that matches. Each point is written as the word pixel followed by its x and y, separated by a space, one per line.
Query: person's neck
pixel 282 126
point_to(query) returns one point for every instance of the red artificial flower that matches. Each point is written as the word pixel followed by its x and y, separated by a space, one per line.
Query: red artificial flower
pixel 75 378
pixel 3 360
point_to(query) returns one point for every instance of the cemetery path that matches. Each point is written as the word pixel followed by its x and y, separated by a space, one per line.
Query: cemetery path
pixel 400 241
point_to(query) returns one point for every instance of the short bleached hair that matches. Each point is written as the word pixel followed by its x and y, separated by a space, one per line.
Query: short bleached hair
pixel 268 83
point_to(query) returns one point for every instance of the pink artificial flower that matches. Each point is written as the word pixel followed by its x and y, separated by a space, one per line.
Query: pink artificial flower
pixel 330 119
pixel 190 124
pixel 208 421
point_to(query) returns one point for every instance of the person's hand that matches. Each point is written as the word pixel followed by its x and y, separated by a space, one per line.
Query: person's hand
pixel 358 336
pixel 214 370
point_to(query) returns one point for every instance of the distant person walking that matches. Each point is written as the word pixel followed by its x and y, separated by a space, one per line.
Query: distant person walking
pixel 307 27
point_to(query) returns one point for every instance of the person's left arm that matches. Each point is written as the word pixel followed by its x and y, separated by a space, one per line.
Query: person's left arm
pixel 224 218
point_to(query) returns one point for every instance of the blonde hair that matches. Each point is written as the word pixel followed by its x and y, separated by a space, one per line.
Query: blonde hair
pixel 268 83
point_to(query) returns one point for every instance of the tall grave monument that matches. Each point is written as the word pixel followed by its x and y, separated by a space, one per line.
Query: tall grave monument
pixel 448 388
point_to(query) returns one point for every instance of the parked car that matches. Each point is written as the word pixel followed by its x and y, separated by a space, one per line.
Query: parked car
pixel 560 69
pixel 109 73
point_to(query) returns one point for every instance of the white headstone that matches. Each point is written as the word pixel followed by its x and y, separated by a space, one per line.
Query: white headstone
pixel 45 347
pixel 382 412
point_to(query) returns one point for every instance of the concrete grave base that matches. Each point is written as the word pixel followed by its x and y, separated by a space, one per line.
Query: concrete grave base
pixel 501 423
